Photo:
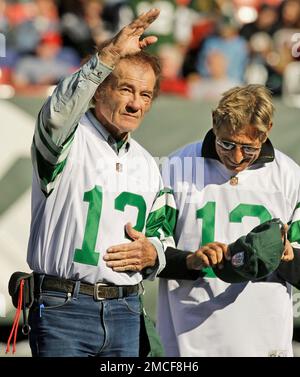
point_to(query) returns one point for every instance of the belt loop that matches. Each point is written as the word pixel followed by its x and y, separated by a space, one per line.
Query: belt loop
pixel 38 284
pixel 76 289
pixel 120 289
pixel 40 279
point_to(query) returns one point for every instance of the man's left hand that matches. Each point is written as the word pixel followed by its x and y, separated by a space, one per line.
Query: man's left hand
pixel 133 256
pixel 288 253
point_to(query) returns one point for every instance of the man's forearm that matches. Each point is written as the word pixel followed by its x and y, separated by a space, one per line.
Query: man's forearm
pixel 71 99
pixel 176 266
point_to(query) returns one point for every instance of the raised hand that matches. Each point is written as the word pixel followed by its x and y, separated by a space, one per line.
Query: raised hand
pixel 127 41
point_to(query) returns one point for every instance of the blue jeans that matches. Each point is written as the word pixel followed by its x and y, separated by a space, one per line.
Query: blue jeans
pixel 66 325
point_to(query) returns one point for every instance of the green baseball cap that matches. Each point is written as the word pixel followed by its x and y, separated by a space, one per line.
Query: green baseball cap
pixel 255 255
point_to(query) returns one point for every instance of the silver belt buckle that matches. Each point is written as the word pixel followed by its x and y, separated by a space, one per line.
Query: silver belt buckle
pixel 96 291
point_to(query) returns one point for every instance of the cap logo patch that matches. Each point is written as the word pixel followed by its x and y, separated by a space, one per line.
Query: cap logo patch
pixel 238 259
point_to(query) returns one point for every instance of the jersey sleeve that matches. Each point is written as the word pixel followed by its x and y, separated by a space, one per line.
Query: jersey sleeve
pixel 48 159
pixel 58 119
pixel 294 228
pixel 159 228
pixel 162 218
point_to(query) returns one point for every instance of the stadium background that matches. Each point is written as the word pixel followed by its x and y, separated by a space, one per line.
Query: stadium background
pixel 173 121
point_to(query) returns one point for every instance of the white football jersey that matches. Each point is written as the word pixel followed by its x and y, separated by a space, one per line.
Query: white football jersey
pixel 208 317
pixel 90 193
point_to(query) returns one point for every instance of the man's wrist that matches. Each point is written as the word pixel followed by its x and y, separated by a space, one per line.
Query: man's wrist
pixel 160 261
pixel 189 261
pixel 109 57
pixel 154 257
pixel 193 262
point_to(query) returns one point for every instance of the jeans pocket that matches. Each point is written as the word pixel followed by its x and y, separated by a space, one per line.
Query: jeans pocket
pixel 52 300
pixel 133 304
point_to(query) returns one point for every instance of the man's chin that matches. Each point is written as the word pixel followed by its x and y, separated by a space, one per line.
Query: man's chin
pixel 130 125
pixel 236 168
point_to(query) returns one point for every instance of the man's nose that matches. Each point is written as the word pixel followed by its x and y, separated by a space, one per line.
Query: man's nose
pixel 237 154
pixel 135 103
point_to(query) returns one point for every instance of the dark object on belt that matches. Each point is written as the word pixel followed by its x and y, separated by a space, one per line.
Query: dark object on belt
pixel 99 291
pixel 27 293
pixel 14 288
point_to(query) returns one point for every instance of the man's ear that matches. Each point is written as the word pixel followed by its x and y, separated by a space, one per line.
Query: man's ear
pixel 97 95
pixel 270 126
pixel 267 132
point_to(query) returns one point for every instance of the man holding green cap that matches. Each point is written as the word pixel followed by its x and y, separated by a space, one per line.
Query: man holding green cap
pixel 256 255
pixel 232 296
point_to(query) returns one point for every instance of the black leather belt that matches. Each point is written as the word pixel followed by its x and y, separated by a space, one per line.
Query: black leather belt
pixel 99 291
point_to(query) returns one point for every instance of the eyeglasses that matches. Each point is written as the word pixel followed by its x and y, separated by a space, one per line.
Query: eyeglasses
pixel 230 146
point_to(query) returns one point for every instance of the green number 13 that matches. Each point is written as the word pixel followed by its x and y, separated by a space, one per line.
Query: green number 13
pixel 87 254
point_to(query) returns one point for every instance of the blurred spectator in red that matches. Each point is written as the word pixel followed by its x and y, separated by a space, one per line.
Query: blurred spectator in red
pixel 50 64
pixel 31 21
pixel 19 12
pixel 171 62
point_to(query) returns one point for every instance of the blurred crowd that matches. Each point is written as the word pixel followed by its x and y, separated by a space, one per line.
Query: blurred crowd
pixel 205 46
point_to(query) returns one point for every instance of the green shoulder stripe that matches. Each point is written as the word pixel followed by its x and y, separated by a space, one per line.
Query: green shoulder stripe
pixel 294 229
pixel 294 232
pixel 48 172
pixel 54 150
pixel 165 190
pixel 297 206
pixel 164 219
pixel 48 165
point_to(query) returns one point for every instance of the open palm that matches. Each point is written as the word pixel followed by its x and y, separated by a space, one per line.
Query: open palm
pixel 127 41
